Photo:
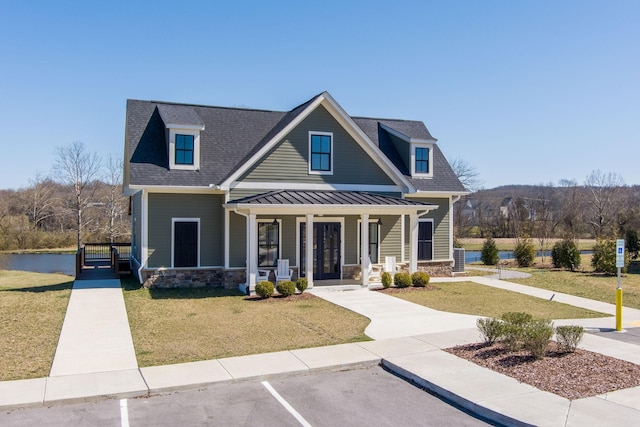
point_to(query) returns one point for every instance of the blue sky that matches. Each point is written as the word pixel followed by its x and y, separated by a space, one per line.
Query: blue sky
pixel 526 92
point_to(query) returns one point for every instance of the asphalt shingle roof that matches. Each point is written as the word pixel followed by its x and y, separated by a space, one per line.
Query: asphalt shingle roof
pixel 233 135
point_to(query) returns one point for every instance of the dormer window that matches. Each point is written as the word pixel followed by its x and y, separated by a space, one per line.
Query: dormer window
pixel 184 148
pixel 421 160
pixel 321 153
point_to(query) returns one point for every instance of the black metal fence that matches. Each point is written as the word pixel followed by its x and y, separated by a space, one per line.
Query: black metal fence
pixel 96 252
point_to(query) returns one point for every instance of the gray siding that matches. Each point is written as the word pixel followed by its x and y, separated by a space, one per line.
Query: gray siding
pixel 288 161
pixel 237 239
pixel 136 229
pixel 441 218
pixel 391 237
pixel 164 207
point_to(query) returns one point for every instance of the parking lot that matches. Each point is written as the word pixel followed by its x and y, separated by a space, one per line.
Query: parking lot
pixel 361 397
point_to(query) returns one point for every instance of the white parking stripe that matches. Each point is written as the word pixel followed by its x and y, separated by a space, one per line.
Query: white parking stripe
pixel 124 413
pixel 286 405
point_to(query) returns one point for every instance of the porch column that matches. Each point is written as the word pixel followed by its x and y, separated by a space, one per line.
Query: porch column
pixel 252 252
pixel 309 250
pixel 364 249
pixel 413 243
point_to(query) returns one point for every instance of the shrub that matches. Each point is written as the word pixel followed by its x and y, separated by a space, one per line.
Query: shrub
pixel 514 327
pixel 491 330
pixel 632 243
pixel 387 280
pixel 565 254
pixel 420 279
pixel 604 257
pixel 536 336
pixel 402 279
pixel 286 288
pixel 525 253
pixel 489 254
pixel 569 337
pixel 301 284
pixel 264 289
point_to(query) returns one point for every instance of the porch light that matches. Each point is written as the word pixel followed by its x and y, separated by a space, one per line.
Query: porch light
pixel 275 222
pixel 379 221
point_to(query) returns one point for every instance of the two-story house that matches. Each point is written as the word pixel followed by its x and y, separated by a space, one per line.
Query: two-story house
pixel 220 194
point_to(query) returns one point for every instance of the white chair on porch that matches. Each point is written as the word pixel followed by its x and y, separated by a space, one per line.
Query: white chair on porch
pixel 283 272
pixel 263 276
pixel 390 265
pixel 373 271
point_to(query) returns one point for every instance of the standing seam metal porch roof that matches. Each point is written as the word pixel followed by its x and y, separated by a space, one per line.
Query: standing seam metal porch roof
pixel 323 198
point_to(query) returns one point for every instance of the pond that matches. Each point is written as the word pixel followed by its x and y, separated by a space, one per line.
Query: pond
pixel 39 263
pixel 474 256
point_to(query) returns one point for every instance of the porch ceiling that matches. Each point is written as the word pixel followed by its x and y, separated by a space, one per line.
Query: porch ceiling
pixel 327 202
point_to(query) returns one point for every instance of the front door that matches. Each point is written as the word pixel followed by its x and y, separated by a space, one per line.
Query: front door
pixel 326 250
pixel 185 250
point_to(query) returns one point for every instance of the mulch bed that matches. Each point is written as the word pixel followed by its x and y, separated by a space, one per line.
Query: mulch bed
pixel 409 289
pixel 570 375
pixel 279 298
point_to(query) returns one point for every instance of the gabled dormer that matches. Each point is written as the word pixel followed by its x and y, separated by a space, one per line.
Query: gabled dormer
pixel 183 128
pixel 417 153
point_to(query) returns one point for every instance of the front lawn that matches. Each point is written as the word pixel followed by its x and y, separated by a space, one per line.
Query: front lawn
pixel 183 325
pixel 475 299
pixel 32 309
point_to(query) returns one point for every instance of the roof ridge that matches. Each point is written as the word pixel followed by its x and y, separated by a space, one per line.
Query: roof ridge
pixel 182 104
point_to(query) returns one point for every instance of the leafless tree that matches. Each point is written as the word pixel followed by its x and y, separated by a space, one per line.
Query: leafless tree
pixel 467 174
pixel 604 202
pixel 78 168
pixel 40 200
pixel 115 204
pixel 570 213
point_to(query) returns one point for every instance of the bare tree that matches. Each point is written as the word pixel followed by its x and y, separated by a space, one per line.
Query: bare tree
pixel 570 214
pixel 604 201
pixel 78 168
pixel 467 174
pixel 40 200
pixel 115 204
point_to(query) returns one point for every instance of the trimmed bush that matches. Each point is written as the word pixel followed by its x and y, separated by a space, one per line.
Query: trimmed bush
pixel 568 337
pixel 536 336
pixel 387 280
pixel 301 284
pixel 402 279
pixel 286 288
pixel 420 279
pixel 491 330
pixel 489 254
pixel 604 257
pixel 264 289
pixel 514 326
pixel 565 254
pixel 525 253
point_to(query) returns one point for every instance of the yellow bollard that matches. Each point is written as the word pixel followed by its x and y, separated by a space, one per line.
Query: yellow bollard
pixel 619 309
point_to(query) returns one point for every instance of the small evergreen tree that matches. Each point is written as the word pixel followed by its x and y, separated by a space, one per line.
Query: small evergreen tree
pixel 565 254
pixel 489 254
pixel 604 257
pixel 632 243
pixel 525 252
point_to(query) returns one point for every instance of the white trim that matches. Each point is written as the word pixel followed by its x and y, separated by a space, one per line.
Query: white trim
pixel 227 226
pixel 405 137
pixel 359 229
pixel 319 219
pixel 173 242
pixel 144 230
pixel 172 148
pixel 317 187
pixel 451 202
pixel 415 174
pixel 403 257
pixel 425 194
pixel 185 127
pixel 321 172
pixel 349 125
pixel 269 221
pixel 433 238
pixel 328 209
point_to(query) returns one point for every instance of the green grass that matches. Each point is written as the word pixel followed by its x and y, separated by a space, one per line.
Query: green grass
pixel 480 300
pixel 182 325
pixel 32 309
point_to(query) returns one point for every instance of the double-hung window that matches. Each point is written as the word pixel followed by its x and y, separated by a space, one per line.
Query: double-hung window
pixel 320 152
pixel 374 241
pixel 422 160
pixel 268 243
pixel 184 149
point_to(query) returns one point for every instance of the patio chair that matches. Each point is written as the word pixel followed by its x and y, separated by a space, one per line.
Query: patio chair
pixel 263 276
pixel 373 271
pixel 390 265
pixel 283 272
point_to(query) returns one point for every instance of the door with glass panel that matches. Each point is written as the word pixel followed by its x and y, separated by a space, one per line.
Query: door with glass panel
pixel 326 250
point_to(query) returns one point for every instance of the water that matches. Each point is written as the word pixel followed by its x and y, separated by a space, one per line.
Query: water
pixel 474 256
pixel 39 263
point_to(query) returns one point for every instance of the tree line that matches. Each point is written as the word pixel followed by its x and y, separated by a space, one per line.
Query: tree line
pixel 80 200
pixel 603 207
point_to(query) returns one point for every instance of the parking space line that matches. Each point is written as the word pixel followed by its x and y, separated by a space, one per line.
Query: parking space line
pixel 124 413
pixel 286 404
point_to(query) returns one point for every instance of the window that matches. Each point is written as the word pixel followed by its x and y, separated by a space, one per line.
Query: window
pixel 320 152
pixel 422 160
pixel 268 243
pixel 425 240
pixel 374 241
pixel 184 149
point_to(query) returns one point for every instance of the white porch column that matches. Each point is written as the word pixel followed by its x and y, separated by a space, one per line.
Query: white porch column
pixel 413 243
pixel 252 252
pixel 309 250
pixel 364 249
